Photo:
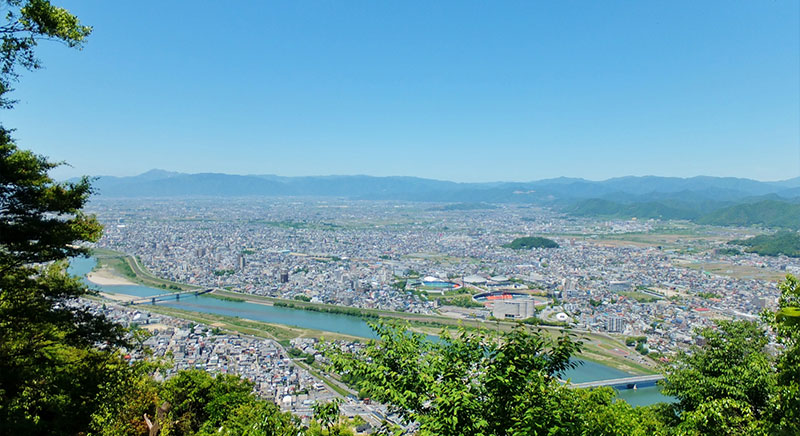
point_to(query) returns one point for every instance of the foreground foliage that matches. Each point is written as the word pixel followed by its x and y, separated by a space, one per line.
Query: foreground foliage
pixel 200 404
pixel 734 383
pixel 57 363
pixel 55 359
pixel 727 385
pixel 26 23
pixel 483 383
pixel 194 403
pixel 785 416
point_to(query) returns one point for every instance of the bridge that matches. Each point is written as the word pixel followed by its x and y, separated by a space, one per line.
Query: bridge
pixel 164 297
pixel 634 382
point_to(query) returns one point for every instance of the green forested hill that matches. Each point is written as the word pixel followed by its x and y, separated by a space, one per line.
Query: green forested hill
pixel 785 242
pixel 528 242
pixel 768 213
pixel 652 209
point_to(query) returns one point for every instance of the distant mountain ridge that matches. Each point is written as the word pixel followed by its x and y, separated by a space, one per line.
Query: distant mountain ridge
pixel 161 183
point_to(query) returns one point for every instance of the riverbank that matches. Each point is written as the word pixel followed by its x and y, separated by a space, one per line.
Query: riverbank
pixel 107 277
pixel 116 265
pixel 279 332
pixel 597 348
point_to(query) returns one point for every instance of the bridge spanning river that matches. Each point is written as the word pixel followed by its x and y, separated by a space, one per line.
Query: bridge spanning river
pixel 164 297
pixel 639 381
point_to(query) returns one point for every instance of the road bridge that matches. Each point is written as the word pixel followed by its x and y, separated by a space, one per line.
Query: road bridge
pixel 634 382
pixel 168 296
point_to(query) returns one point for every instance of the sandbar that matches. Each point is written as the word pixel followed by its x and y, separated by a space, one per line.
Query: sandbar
pixel 106 277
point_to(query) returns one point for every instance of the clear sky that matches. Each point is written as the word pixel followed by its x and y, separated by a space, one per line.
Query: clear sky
pixel 462 90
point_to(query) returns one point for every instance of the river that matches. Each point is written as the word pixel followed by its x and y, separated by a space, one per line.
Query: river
pixel 338 323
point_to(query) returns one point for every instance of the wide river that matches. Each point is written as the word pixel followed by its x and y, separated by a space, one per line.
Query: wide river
pixel 339 323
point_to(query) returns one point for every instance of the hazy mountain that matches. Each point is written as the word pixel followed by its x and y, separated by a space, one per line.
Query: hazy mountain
pixel 702 189
pixel 790 193
pixel 157 174
pixel 789 183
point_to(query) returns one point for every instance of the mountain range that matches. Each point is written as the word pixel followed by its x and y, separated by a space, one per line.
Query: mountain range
pixel 160 183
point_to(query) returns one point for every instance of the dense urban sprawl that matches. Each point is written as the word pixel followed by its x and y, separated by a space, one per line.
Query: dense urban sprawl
pixel 359 253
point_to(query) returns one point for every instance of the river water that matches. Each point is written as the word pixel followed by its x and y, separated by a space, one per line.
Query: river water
pixel 338 323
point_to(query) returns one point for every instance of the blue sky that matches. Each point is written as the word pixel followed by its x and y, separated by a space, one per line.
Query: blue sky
pixel 462 90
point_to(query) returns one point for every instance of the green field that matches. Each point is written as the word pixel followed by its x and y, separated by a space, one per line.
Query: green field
pixel 736 271
pixel 640 297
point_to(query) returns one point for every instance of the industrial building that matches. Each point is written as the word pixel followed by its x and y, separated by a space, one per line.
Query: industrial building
pixel 514 309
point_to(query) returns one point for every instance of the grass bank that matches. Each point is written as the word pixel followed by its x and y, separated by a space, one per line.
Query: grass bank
pixel 126 266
